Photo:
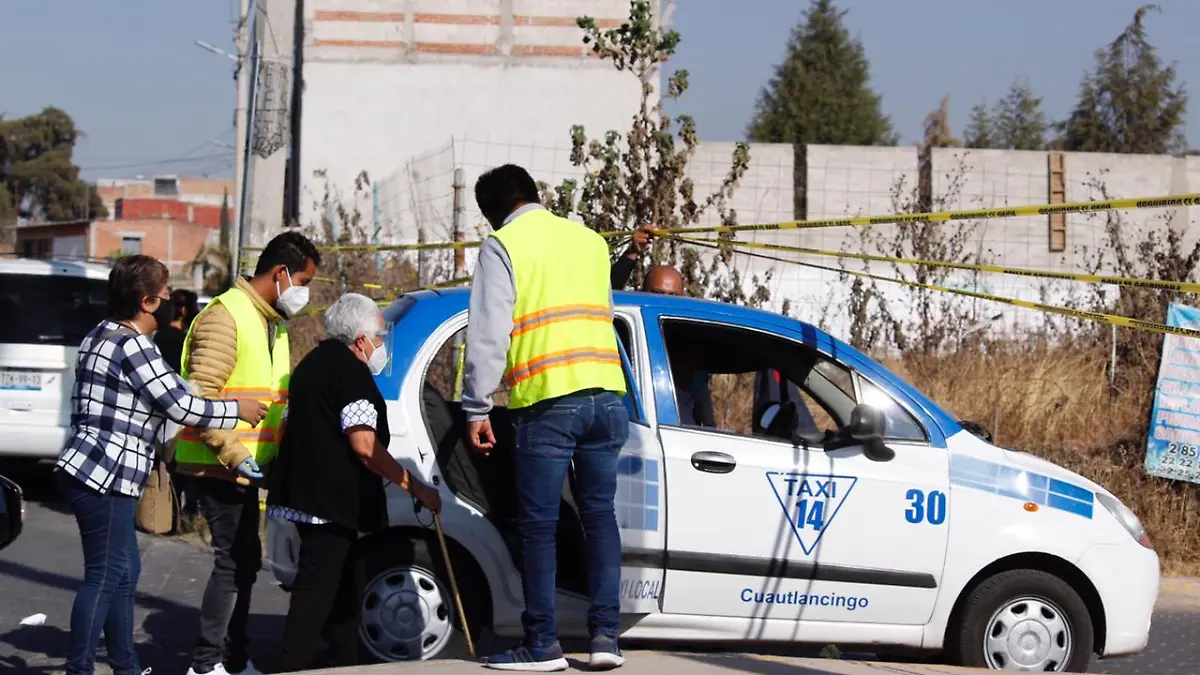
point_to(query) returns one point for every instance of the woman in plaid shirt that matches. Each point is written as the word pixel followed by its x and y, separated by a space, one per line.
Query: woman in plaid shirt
pixel 123 393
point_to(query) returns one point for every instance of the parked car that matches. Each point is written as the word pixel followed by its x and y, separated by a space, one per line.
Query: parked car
pixel 12 511
pixel 895 526
pixel 46 309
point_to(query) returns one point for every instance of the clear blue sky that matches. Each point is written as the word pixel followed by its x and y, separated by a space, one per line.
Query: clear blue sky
pixel 131 76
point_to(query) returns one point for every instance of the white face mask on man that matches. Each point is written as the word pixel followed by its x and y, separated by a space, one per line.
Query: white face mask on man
pixel 292 299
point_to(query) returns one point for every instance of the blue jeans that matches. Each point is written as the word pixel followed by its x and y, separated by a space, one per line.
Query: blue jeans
pixel 589 428
pixel 111 565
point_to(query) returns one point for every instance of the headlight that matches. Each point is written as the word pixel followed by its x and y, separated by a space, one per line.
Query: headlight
pixel 1127 518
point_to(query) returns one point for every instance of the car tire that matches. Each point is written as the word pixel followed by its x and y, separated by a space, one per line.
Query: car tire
pixel 1025 620
pixel 406 606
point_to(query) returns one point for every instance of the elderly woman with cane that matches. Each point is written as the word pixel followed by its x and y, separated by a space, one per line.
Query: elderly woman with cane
pixel 328 479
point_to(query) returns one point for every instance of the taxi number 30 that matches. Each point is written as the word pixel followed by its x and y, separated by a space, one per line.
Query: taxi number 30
pixel 929 508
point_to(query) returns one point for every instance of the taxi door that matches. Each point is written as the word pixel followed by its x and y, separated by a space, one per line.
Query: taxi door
pixel 641 503
pixel 760 529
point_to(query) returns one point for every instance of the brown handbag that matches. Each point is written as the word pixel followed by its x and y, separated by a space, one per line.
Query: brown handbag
pixel 157 511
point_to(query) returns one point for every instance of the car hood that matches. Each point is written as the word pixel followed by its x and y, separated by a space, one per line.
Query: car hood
pixel 1048 468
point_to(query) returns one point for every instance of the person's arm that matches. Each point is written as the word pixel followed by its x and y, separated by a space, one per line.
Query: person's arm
pixel 489 328
pixel 156 382
pixel 622 270
pixel 359 420
pixel 209 364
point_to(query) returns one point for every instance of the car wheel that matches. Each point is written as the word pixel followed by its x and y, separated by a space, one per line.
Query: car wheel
pixel 1023 620
pixel 407 611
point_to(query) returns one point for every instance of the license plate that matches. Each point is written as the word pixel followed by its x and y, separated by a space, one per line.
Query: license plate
pixel 20 380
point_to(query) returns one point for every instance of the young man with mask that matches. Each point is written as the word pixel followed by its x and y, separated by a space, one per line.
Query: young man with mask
pixel 238 347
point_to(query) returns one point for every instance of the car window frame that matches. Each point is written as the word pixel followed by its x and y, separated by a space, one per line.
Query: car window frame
pixel 451 327
pixel 670 381
pixel 859 377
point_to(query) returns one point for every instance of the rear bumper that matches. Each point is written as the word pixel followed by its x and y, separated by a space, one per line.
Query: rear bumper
pixel 34 442
pixel 1127 578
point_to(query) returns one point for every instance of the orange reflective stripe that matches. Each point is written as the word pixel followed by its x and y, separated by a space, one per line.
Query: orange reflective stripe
pixel 524 371
pixel 252 435
pixel 280 397
pixel 559 314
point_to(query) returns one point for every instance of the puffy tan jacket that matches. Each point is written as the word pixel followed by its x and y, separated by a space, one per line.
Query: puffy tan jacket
pixel 214 351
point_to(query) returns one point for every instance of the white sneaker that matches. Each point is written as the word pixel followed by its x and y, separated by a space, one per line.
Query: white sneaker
pixel 220 669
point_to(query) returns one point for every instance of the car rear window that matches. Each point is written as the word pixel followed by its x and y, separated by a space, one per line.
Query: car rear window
pixel 50 310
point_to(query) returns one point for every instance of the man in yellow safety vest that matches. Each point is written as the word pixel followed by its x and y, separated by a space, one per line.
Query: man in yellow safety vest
pixel 238 348
pixel 540 316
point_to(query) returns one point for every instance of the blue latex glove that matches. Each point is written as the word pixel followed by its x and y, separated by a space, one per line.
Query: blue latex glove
pixel 249 469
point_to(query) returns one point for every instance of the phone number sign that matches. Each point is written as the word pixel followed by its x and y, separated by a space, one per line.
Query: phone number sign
pixel 1174 439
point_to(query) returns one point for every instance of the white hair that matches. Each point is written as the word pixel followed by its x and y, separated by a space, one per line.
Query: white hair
pixel 351 316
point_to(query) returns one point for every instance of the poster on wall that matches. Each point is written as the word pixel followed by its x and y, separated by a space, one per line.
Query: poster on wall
pixel 1174 439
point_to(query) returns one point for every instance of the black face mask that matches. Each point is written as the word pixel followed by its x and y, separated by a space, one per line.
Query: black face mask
pixel 163 314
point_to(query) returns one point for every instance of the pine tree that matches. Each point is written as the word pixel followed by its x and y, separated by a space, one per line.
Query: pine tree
pixel 1130 103
pixel 820 93
pixel 980 133
pixel 1020 123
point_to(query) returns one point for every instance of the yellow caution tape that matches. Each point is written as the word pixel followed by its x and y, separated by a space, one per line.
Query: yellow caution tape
pixel 1167 201
pixel 402 289
pixel 1163 202
pixel 1123 321
pixel 1181 286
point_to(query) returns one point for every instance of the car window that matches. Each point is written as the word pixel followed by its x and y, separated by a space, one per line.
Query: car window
pixel 901 425
pixel 724 377
pixel 50 310
pixel 445 372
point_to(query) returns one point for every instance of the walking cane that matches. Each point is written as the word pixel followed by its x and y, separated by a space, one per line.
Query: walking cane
pixel 462 617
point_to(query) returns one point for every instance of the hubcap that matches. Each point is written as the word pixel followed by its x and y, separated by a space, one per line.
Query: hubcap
pixel 1029 634
pixel 406 615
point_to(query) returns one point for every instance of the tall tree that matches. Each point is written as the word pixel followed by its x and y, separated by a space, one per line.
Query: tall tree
pixel 1020 123
pixel 980 133
pixel 40 181
pixel 820 93
pixel 1130 102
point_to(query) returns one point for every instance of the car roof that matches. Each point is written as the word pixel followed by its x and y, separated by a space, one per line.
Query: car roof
pixel 52 267
pixel 424 311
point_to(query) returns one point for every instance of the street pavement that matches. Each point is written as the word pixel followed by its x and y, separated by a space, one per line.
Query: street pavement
pixel 39 574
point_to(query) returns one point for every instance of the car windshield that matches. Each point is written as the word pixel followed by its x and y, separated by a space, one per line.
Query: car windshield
pixel 50 310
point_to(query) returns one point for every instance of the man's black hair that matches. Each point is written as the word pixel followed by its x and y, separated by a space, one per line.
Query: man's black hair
pixel 501 190
pixel 290 249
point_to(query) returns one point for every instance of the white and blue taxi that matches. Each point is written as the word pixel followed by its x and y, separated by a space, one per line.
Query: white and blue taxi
pixel 862 515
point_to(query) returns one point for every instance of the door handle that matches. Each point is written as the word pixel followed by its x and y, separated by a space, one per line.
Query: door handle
pixel 713 462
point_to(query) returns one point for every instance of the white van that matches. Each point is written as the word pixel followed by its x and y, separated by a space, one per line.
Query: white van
pixel 46 309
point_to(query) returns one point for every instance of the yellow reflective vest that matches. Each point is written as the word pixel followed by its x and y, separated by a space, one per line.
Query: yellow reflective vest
pixel 261 372
pixel 563 340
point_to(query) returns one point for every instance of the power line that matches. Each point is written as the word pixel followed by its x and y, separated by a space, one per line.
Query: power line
pixel 179 160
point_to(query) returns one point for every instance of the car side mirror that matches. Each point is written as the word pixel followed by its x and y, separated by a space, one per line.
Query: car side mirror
pixel 867 428
pixel 12 511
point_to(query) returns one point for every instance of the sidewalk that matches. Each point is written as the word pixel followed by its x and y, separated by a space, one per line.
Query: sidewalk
pixel 660 663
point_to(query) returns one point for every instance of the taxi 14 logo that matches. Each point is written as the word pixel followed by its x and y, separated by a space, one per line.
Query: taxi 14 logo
pixel 810 502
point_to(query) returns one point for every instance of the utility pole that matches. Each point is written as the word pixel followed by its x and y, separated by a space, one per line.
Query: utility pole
pixel 460 256
pixel 242 77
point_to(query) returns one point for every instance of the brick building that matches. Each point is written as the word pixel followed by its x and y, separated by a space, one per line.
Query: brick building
pixel 170 218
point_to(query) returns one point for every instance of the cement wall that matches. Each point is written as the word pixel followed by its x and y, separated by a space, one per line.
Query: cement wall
pixel 871 181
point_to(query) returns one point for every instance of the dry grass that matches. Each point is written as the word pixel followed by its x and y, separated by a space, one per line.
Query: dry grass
pixel 1056 403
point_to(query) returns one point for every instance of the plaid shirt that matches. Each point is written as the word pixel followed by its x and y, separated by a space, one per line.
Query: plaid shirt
pixel 124 391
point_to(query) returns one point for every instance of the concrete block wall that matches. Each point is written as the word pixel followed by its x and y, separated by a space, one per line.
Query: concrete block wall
pixel 975 179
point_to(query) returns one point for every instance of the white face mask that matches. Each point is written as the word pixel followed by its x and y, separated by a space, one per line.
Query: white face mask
pixel 292 300
pixel 378 359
